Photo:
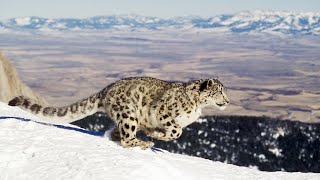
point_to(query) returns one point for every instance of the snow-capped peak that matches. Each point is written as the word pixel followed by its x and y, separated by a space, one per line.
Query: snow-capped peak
pixel 283 22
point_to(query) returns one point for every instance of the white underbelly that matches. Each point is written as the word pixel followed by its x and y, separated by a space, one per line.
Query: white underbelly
pixel 185 119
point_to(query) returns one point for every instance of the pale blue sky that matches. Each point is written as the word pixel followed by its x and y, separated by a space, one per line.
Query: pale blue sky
pixel 160 8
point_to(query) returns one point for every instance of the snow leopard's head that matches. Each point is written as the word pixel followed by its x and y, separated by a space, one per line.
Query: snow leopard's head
pixel 213 93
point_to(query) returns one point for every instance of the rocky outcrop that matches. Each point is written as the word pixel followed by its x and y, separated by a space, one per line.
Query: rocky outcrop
pixel 11 85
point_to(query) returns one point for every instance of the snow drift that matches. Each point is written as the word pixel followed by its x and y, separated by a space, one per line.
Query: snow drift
pixel 29 150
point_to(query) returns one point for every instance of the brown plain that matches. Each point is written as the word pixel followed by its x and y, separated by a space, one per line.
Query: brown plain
pixel 265 75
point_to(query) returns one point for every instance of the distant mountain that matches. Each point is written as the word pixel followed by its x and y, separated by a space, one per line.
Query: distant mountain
pixel 244 22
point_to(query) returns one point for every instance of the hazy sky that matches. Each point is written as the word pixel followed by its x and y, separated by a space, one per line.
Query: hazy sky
pixel 160 8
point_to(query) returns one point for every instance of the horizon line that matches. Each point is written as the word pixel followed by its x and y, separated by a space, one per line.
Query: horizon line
pixel 186 15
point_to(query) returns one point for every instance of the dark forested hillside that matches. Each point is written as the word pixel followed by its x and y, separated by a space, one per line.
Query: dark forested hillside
pixel 262 142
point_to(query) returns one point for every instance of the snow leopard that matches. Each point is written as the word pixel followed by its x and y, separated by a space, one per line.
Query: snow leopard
pixel 159 108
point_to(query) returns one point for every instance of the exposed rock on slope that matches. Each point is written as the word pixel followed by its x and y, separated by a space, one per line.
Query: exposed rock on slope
pixel 11 85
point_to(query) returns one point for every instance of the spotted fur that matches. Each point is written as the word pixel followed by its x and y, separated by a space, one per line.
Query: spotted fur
pixel 159 108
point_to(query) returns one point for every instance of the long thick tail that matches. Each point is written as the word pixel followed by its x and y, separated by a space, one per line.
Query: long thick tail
pixel 66 114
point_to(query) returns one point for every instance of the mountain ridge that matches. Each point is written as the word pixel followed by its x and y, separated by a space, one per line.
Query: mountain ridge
pixel 281 22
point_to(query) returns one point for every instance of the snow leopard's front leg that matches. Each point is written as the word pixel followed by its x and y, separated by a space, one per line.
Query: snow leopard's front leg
pixel 171 130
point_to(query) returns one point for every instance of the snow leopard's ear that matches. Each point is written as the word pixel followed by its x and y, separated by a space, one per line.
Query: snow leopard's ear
pixel 206 84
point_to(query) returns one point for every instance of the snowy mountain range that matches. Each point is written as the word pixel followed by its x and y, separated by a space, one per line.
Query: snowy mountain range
pixel 243 22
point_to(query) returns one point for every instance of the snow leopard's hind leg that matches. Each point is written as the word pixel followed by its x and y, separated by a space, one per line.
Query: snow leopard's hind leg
pixel 128 127
pixel 115 134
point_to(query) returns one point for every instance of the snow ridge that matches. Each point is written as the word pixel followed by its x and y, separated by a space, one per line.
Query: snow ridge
pixel 275 22
pixel 30 150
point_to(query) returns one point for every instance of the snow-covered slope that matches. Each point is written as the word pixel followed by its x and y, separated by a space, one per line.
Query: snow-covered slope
pixel 243 22
pixel 29 150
